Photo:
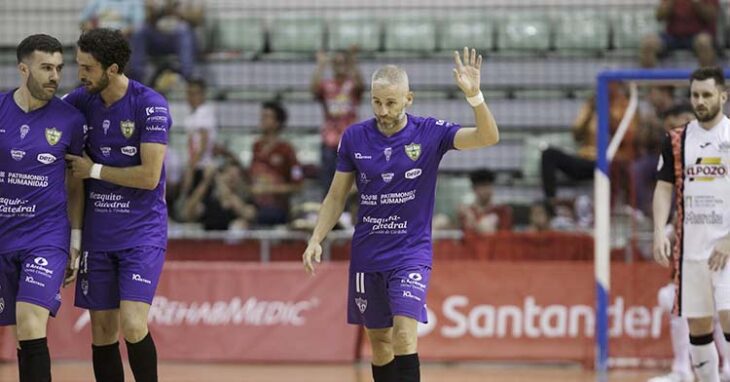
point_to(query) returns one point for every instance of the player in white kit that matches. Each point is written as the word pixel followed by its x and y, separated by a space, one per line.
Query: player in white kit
pixel 694 166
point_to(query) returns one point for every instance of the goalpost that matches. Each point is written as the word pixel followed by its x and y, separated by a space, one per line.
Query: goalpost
pixel 602 184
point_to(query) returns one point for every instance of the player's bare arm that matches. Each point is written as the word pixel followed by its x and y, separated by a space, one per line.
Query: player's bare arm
pixel 145 176
pixel 329 213
pixel 661 207
pixel 75 191
pixel 467 76
pixel 720 254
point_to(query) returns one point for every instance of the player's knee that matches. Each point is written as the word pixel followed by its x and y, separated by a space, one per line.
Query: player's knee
pixel 134 327
pixel 700 326
pixel 404 341
pixel 31 321
pixel 104 332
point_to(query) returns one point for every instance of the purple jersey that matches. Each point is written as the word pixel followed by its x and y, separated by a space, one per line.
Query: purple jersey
pixel 118 217
pixel 33 172
pixel 396 177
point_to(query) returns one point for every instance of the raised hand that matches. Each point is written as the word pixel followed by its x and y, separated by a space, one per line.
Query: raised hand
pixel 467 74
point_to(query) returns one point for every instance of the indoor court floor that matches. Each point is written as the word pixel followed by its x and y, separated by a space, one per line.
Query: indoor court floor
pixel 461 372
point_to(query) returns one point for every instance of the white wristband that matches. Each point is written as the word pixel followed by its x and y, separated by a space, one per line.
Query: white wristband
pixel 476 100
pixel 76 239
pixel 96 171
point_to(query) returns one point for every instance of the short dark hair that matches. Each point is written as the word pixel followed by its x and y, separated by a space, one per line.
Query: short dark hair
pixel 279 111
pixel 483 176
pixel 199 82
pixel 108 46
pixel 707 72
pixel 677 109
pixel 37 42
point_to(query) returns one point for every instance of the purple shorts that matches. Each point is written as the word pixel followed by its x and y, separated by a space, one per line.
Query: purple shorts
pixel 375 297
pixel 106 278
pixel 31 275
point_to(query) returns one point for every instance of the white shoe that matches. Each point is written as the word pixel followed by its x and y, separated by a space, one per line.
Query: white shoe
pixel 673 377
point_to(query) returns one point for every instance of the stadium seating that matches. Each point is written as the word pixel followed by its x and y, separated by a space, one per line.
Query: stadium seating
pixel 472 29
pixel 348 29
pixel 629 27
pixel 410 34
pixel 524 31
pixel 296 33
pixel 239 35
pixel 581 30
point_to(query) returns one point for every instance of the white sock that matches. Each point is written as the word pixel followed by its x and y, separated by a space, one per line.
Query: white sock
pixel 705 362
pixel 679 333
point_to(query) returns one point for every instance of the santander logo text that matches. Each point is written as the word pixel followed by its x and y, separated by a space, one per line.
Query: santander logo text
pixel 460 318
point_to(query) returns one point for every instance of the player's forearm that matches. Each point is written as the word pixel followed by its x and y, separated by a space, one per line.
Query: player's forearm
pixel 487 129
pixel 661 205
pixel 75 204
pixel 329 214
pixel 143 177
pixel 316 79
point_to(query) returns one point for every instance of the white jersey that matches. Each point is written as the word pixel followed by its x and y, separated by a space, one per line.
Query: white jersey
pixel 201 119
pixel 704 187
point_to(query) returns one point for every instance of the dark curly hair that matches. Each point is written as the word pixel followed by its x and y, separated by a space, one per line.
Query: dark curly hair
pixel 108 46
pixel 40 42
pixel 279 112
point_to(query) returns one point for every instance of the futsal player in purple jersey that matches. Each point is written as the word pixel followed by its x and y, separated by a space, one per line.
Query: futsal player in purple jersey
pixel 125 234
pixel 394 158
pixel 38 252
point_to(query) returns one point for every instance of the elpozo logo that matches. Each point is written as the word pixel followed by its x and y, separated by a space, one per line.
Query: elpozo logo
pixel 706 170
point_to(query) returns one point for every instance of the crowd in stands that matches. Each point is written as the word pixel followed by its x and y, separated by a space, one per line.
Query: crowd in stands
pixel 211 186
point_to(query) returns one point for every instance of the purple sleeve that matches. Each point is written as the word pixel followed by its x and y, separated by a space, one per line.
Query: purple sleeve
pixel 154 117
pixel 446 132
pixel 76 146
pixel 74 98
pixel 344 157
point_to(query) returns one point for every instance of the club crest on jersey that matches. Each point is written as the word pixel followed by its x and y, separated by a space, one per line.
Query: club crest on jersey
pixel 127 128
pixel 362 304
pixel 53 135
pixel 413 151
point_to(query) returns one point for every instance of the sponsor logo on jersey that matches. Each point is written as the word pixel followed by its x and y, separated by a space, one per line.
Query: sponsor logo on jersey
pixel 155 128
pixel 361 156
pixel 387 177
pixel 702 146
pixel 17 154
pixel 24 131
pixel 415 276
pixel 105 151
pixel 127 128
pixel 129 151
pixel 413 173
pixel 154 109
pixel 53 135
pixel 413 151
pixel 139 278
pixel 2 304
pixel 724 146
pixel 157 118
pixel 41 261
pixel 105 125
pixel 46 158
pixel 388 152
pixel 706 170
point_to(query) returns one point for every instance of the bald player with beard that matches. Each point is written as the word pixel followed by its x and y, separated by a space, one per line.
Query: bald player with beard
pixel 394 159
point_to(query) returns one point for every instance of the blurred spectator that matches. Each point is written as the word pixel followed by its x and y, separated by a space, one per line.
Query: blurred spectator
pixel 643 169
pixel 128 16
pixel 275 172
pixel 219 201
pixel 482 216
pixel 581 166
pixel 169 29
pixel 539 218
pixel 200 125
pixel 340 98
pixel 660 99
pixel 690 25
